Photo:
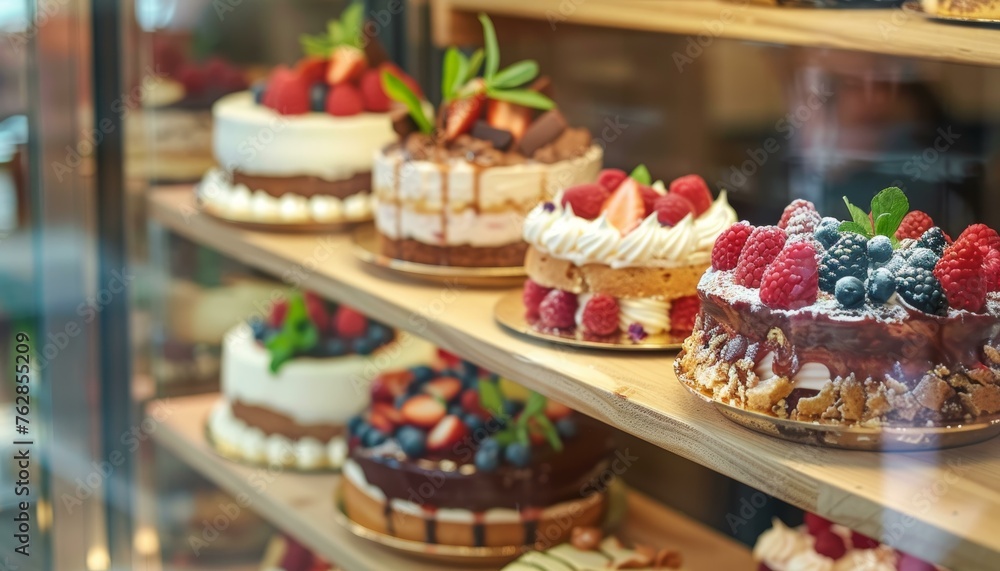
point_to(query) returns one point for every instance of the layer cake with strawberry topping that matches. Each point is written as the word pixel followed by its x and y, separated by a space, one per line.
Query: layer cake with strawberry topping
pixel 291 382
pixel 459 457
pixel 298 147
pixel 455 192
pixel 881 320
pixel 620 259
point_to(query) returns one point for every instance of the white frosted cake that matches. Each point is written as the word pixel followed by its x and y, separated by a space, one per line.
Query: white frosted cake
pixel 290 383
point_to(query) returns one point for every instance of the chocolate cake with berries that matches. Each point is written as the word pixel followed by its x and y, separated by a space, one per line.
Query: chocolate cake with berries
pixel 458 457
pixel 879 320
pixel 620 259
pixel 455 192
pixel 291 382
pixel 589 550
pixel 821 545
pixel 298 147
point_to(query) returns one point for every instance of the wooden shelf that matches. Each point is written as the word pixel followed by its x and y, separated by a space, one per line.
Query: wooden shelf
pixel 895 32
pixel 302 504
pixel 943 506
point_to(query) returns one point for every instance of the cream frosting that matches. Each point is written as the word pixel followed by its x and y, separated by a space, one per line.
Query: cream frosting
pixel 652 314
pixel 812 376
pixel 778 545
pixel 560 239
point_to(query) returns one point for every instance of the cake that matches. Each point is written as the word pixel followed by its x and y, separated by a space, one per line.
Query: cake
pixel 820 545
pixel 620 259
pixel 455 192
pixel 844 323
pixel 971 9
pixel 291 382
pixel 460 458
pixel 589 550
pixel 298 148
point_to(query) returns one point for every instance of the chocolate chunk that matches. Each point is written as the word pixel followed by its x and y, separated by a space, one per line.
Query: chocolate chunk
pixel 374 51
pixel 542 131
pixel 402 123
pixel 499 138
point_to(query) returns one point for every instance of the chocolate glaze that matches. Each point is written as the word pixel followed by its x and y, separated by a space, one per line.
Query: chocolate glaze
pixel 550 479
pixel 271 422
pixel 305 185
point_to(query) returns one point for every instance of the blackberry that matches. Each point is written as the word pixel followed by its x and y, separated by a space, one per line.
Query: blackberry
pixel 880 249
pixel 847 257
pixel 828 231
pixel 881 285
pixel 933 239
pixel 850 292
pixel 317 97
pixel 922 258
pixel 921 289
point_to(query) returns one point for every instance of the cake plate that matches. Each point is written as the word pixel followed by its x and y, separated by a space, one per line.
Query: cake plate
pixel 914 6
pixel 855 437
pixel 467 555
pixel 289 227
pixel 366 249
pixel 509 312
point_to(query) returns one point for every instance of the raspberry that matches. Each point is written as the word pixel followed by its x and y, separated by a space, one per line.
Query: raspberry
pixel 914 224
pixel 861 541
pixel 683 310
pixel 693 188
pixel 317 311
pixel 671 209
pixel 791 281
pixel 372 93
pixel 600 315
pixel 763 245
pixel 649 197
pixel 815 524
pixel 935 240
pixel 830 544
pixel 982 236
pixel 919 288
pixel 586 199
pixel 533 296
pixel 848 257
pixel 287 92
pixel 558 310
pixel 728 246
pixel 278 312
pixel 908 562
pixel 611 178
pixel 350 323
pixel 960 271
pixel 344 100
pixel 991 270
pixel 803 223
pixel 795 207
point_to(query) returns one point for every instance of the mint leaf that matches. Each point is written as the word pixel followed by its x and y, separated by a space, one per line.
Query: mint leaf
pixel 297 336
pixel 550 432
pixel 316 46
pixel 517 74
pixel 535 405
pixel 335 32
pixel 475 62
pixel 889 207
pixel 640 174
pixel 491 398
pixel 352 21
pixel 399 91
pixel 526 97
pixel 860 218
pixel 492 48
pixel 452 73
pixel 854 227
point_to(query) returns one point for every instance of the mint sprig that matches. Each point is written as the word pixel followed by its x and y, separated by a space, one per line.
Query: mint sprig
pixel 492 400
pixel 298 335
pixel 396 89
pixel 888 208
pixel 347 31
pixel 640 174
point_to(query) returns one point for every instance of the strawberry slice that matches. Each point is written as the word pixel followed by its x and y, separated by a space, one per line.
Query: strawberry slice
pixel 424 411
pixel 444 388
pixel 388 411
pixel 508 116
pixel 312 69
pixel 462 114
pixel 379 421
pixel 625 208
pixel 556 410
pixel 347 63
pixel 445 434
pixel 387 386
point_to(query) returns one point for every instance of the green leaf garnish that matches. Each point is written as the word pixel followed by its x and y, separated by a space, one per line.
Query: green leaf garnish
pixel 492 48
pixel 491 398
pixel 860 218
pixel 641 175
pixel 352 22
pixel 535 404
pixel 889 207
pixel 298 334
pixel 347 31
pixel 550 432
pixel 853 227
pixel 525 97
pixel 399 91
pixel 517 74
pixel 475 63
pixel 453 73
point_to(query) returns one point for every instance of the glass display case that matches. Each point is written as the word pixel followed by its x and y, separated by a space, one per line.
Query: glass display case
pixel 265 305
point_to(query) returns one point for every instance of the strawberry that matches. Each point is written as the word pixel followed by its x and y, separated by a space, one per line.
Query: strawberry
pixel 349 323
pixel 387 386
pixel 379 420
pixel 600 315
pixel 424 411
pixel 625 208
pixel 406 79
pixel 533 296
pixel 861 541
pixel 558 310
pixel 649 197
pixel 693 188
pixel 729 244
pixel 287 92
pixel 960 271
pixel 372 94
pixel 586 199
pixel 389 412
pixel 444 388
pixel 830 544
pixel 796 205
pixel 611 179
pixel 556 410
pixel 763 245
pixel 914 224
pixel 815 524
pixel 317 311
pixel 312 69
pixel 446 433
pixel 791 281
pixel 510 117
pixel 984 237
pixel 470 403
pixel 347 63
pixel 672 208
pixel 461 114
pixel 683 311
pixel 278 312
pixel 344 100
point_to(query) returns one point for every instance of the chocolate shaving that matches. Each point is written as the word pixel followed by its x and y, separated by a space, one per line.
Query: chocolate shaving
pixel 500 139
pixel 543 131
pixel 402 123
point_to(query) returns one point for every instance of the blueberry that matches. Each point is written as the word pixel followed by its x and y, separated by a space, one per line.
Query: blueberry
pixel 456 410
pixel 362 346
pixel 512 407
pixel 412 440
pixel 379 334
pixel 828 231
pixel 373 437
pixel 259 328
pixel 487 459
pixel 473 422
pixel 467 368
pixel 400 400
pixel 880 249
pixel 355 423
pixel 470 381
pixel 881 285
pixel 850 292
pixel 317 97
pixel 517 454
pixel 566 427
pixel 258 92
pixel 422 373
pixel 848 257
pixel 362 430
pixel 491 443
pixel 922 258
pixel 334 347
